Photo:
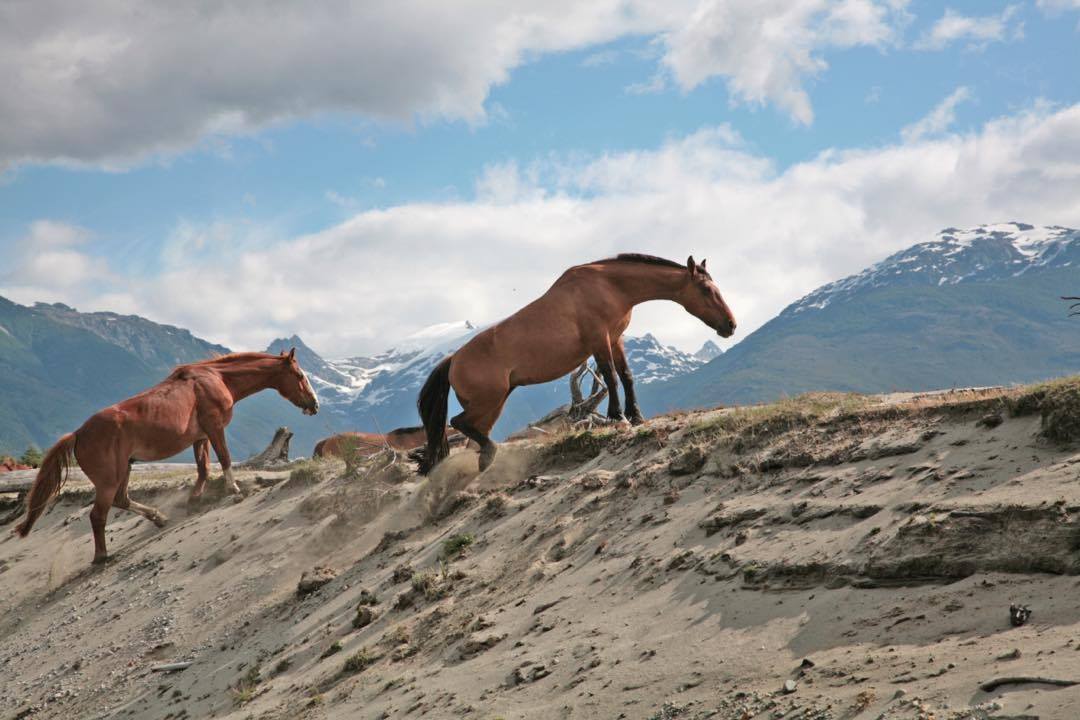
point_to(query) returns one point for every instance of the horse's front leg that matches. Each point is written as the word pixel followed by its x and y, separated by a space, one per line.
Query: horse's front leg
pixel 622 367
pixel 216 436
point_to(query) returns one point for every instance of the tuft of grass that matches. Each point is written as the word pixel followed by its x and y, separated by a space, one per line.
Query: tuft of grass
pixel 334 648
pixel 1058 401
pixel 358 662
pixel 864 700
pixel 455 546
pixel 428 585
pixel 754 423
pixel 305 475
pixel 283 666
pixel 244 690
pixel 582 445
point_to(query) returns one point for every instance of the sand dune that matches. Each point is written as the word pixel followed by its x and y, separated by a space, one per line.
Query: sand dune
pixel 827 557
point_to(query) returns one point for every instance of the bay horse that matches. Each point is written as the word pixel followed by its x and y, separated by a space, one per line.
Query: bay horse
pixel 405 439
pixel 584 313
pixel 190 408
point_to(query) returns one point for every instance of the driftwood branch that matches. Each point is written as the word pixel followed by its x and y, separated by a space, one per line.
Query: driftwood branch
pixel 276 453
pixel 172 667
pixel 994 684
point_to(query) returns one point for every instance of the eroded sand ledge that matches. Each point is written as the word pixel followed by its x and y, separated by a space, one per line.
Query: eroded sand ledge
pixel 683 569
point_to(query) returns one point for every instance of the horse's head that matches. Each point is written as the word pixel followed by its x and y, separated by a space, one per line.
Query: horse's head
pixel 702 299
pixel 294 386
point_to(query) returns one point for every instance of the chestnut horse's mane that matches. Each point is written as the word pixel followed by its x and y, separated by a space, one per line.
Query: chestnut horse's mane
pixel 648 260
pixel 226 359
pixel 642 258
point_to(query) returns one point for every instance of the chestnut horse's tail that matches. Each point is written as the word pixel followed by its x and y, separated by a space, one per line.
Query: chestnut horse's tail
pixel 432 405
pixel 50 478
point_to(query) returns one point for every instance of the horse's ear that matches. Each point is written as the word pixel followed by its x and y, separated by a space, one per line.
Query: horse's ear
pixel 702 266
pixel 292 354
pixel 690 265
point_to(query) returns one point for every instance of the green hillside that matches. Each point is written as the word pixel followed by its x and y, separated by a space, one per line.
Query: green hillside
pixel 59 366
pixel 896 338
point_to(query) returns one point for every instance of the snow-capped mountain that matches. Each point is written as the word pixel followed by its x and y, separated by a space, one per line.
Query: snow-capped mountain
pixel 967 308
pixel 708 351
pixel 650 361
pixel 987 252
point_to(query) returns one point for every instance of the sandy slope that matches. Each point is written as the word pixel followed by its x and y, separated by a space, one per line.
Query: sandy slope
pixel 868 551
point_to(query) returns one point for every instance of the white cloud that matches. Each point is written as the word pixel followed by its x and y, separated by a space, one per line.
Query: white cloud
pixel 770 235
pixel 1058 5
pixel 976 31
pixel 939 119
pixel 766 49
pixel 47 265
pixel 106 85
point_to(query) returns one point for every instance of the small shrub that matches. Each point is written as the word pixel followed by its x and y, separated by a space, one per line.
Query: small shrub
pixel 244 690
pixel 305 476
pixel 580 446
pixel 282 666
pixel 455 546
pixel 496 504
pixel 358 662
pixel 31 457
pixel 1061 412
pixel 428 586
pixel 364 617
pixel 334 648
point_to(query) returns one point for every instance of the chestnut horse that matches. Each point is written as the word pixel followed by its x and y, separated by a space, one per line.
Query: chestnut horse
pixel 584 313
pixel 189 408
pixel 365 444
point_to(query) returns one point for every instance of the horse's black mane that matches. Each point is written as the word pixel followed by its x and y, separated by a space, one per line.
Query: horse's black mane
pixel 642 258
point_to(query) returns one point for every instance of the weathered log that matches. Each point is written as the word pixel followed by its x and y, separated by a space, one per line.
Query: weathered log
pixel 172 667
pixel 276 453
pixel 994 684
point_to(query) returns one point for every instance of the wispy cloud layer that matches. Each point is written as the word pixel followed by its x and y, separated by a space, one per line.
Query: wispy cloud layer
pixel 770 236
pixel 108 85
pixel 976 31
pixel 939 119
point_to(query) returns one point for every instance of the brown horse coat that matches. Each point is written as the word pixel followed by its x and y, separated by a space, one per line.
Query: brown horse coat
pixel 584 313
pixel 189 408
pixel 403 439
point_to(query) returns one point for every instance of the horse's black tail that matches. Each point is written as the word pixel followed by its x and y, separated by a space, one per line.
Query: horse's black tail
pixel 432 405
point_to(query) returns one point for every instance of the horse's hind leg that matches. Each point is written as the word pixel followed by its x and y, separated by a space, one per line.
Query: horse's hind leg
pixel 202 463
pixel 124 502
pixel 101 467
pixel 476 422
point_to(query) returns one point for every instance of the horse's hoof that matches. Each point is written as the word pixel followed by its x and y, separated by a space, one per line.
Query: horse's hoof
pixel 487 456
pixel 100 559
pixel 636 420
pixel 160 520
pixel 235 489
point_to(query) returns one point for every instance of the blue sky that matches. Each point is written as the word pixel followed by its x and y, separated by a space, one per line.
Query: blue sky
pixel 170 209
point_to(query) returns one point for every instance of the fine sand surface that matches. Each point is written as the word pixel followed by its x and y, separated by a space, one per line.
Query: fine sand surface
pixel 862 551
